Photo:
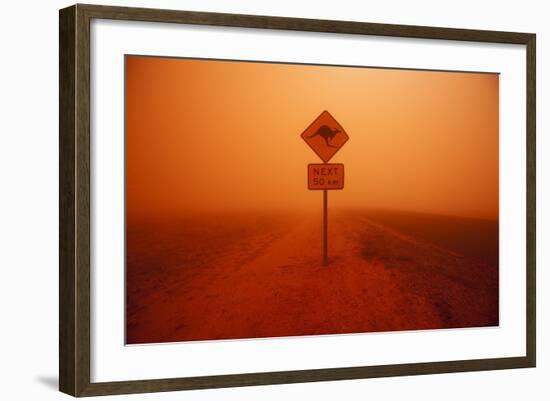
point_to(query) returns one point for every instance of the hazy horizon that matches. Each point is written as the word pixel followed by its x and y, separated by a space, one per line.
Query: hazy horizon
pixel 206 135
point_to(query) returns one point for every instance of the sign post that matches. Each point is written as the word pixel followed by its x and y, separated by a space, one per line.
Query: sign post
pixel 325 136
pixel 325 227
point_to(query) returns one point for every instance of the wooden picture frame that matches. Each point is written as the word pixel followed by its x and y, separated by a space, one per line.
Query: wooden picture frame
pixel 74 200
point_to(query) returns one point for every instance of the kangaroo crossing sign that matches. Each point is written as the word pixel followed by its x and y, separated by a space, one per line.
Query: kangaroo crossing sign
pixel 325 136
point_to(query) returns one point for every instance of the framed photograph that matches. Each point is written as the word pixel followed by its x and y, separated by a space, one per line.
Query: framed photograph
pixel 250 200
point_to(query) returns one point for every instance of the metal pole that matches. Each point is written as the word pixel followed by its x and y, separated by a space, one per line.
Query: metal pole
pixel 325 227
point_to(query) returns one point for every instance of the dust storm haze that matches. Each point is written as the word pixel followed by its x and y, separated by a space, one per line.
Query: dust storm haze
pixel 205 135
pixel 224 240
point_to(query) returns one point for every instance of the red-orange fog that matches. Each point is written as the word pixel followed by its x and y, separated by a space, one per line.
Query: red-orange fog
pixel 214 135
pixel 224 239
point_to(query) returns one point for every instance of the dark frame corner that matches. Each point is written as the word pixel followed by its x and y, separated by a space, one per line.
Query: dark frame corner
pixel 74 199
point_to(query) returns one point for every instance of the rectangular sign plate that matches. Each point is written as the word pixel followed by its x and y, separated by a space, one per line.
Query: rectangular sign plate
pixel 325 176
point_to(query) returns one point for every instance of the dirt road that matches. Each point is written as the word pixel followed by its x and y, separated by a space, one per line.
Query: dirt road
pixel 240 276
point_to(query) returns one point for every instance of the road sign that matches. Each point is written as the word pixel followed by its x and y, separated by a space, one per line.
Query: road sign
pixel 325 136
pixel 325 176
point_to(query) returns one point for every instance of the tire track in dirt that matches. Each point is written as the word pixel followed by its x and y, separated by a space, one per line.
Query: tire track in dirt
pixel 273 283
pixel 463 291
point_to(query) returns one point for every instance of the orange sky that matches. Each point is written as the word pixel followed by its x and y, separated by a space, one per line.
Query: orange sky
pixel 215 135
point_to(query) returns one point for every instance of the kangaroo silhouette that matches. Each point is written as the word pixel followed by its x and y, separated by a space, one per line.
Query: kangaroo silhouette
pixel 327 133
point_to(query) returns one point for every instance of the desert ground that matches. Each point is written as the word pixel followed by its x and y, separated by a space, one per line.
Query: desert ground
pixel 238 275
